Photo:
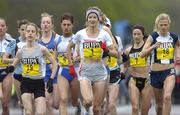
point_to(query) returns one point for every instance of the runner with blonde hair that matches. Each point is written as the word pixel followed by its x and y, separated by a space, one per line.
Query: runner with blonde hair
pixel 47 39
pixel 162 44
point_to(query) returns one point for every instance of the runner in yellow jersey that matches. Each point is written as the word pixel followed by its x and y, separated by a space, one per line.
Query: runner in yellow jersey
pixel 47 39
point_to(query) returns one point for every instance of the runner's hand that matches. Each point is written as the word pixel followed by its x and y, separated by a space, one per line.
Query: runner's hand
pixel 122 75
pixel 49 85
pixel 9 69
pixel 105 49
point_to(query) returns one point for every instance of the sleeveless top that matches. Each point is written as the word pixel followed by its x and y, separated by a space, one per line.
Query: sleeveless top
pixel 33 65
pixel 62 44
pixel 165 53
pixel 135 59
pixel 51 45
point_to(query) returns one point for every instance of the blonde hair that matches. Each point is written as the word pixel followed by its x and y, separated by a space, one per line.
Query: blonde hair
pixel 162 16
pixel 103 18
pixel 45 14
pixel 32 24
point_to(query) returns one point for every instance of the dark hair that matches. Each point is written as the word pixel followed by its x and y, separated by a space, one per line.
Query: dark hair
pixel 140 27
pixel 67 16
pixel 22 22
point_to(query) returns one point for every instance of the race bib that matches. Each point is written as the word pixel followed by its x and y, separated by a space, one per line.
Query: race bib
pixel 92 50
pixel 63 60
pixel 47 60
pixel 165 53
pixel 111 62
pixel 30 69
pixel 138 62
pixel 95 53
pixel 2 65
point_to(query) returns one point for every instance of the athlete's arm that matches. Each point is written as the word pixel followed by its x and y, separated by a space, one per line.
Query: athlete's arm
pixel 55 54
pixel 126 64
pixel 6 58
pixel 17 58
pixel 148 47
pixel 52 60
pixel 112 37
pixel 178 42
pixel 9 51
pixel 112 51
pixel 177 51
pixel 77 57
pixel 108 45
pixel 69 50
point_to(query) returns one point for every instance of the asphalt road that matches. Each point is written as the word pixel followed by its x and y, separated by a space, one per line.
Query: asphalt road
pixel 122 110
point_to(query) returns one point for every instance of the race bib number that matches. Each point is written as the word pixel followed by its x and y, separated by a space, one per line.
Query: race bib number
pixel 165 53
pixel 95 53
pixel 92 50
pixel 111 62
pixel 138 62
pixel 63 60
pixel 30 69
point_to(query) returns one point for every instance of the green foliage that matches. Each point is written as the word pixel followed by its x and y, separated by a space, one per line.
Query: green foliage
pixel 135 11
pixel 3 8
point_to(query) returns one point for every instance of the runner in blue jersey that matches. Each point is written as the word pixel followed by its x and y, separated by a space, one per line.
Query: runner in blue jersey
pixel 47 39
